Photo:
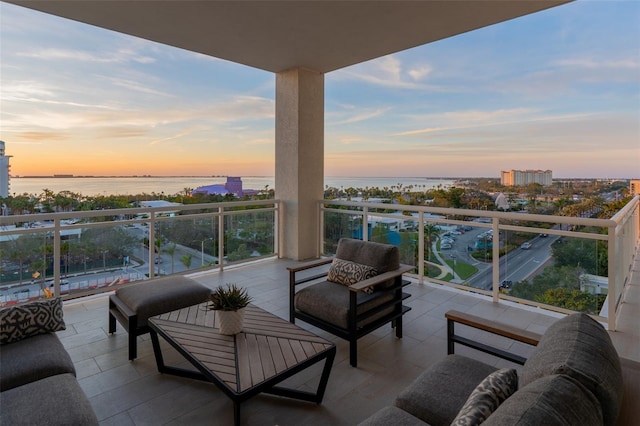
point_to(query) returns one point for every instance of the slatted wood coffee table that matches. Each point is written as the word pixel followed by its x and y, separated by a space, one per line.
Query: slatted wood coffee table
pixel 267 351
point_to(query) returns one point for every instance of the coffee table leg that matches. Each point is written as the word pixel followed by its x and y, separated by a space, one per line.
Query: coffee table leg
pixel 157 351
pixel 304 395
pixel 322 386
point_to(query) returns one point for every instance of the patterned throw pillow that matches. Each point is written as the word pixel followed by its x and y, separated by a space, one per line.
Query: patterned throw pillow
pixel 38 317
pixel 486 397
pixel 347 273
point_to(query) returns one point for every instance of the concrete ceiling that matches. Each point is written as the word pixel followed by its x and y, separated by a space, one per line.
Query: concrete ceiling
pixel 320 35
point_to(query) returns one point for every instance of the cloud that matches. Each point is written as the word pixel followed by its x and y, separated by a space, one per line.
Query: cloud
pixel 38 137
pixel 387 71
pixel 136 86
pixel 420 73
pixel 104 57
pixel 457 120
pixel 363 116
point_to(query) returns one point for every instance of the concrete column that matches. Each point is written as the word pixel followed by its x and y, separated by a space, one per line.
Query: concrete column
pixel 299 160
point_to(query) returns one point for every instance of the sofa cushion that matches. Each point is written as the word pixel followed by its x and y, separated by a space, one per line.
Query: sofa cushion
pixel 32 359
pixel 580 347
pixel 439 393
pixel 30 319
pixel 55 400
pixel 162 295
pixel 330 302
pixel 487 396
pixel 391 415
pixel 551 400
pixel 347 273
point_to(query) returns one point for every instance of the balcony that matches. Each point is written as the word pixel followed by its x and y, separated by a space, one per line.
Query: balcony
pixel 124 392
pixel 134 393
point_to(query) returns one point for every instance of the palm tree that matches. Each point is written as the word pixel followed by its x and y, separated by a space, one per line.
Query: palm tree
pixel 171 251
pixel 431 231
pixel 186 260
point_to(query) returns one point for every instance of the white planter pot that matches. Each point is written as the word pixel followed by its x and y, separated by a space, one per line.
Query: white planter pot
pixel 230 322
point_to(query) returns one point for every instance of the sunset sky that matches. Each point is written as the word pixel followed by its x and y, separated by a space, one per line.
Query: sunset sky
pixel 556 90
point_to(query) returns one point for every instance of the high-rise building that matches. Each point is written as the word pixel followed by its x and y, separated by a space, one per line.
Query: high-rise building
pixel 4 172
pixel 525 177
pixel 634 187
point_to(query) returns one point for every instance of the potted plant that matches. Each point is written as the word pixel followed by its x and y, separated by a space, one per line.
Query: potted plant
pixel 229 302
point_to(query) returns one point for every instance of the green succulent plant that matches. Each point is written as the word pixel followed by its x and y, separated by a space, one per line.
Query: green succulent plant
pixel 229 298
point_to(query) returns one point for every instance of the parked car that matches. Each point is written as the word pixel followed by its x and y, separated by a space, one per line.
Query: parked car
pixel 445 246
pixel 505 284
pixel 525 246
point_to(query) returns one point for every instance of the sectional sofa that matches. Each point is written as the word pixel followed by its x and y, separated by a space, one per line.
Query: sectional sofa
pixel 37 377
pixel 573 377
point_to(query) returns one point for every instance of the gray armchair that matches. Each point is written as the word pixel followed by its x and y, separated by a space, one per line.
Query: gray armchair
pixel 361 291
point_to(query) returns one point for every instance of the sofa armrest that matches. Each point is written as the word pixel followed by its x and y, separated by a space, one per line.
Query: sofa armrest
pixel 489 326
pixel 378 279
pixel 630 409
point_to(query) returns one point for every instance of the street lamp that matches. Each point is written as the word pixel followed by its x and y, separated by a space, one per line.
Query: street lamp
pixel 202 250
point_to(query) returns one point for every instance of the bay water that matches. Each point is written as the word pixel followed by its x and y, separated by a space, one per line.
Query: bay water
pixel 92 186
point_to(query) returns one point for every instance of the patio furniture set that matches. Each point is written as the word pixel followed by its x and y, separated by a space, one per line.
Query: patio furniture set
pixel 573 377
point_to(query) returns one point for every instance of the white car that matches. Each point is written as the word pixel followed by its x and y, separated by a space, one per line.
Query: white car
pixel 525 246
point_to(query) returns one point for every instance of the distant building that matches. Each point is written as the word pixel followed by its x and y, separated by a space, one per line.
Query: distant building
pixel 634 187
pixel 232 186
pixel 525 177
pixel 5 168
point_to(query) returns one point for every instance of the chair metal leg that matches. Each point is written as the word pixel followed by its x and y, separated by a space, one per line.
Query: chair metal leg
pixel 133 347
pixel 353 352
pixel 112 323
pixel 398 324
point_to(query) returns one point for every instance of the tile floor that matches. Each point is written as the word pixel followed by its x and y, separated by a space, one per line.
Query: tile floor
pixel 134 393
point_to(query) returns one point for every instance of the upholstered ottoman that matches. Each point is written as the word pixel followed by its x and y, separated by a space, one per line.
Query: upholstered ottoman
pixel 132 306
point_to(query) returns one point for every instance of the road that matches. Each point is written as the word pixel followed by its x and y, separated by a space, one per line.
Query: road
pixel 517 265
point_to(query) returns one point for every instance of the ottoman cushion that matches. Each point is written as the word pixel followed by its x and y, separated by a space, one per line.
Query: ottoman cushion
pixel 163 295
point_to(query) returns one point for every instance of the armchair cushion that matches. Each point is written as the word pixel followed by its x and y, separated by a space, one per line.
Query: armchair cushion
pixel 346 273
pixel 329 302
pixel 382 257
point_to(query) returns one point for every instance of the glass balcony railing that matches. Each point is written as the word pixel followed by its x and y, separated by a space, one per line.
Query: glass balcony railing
pixel 554 262
pixel 80 253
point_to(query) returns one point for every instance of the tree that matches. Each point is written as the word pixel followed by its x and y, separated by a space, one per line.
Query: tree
pixel 591 255
pixel 186 260
pixel 574 300
pixel 171 251
pixel 431 232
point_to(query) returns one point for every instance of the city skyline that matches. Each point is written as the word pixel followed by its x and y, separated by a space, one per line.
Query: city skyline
pixel 556 90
